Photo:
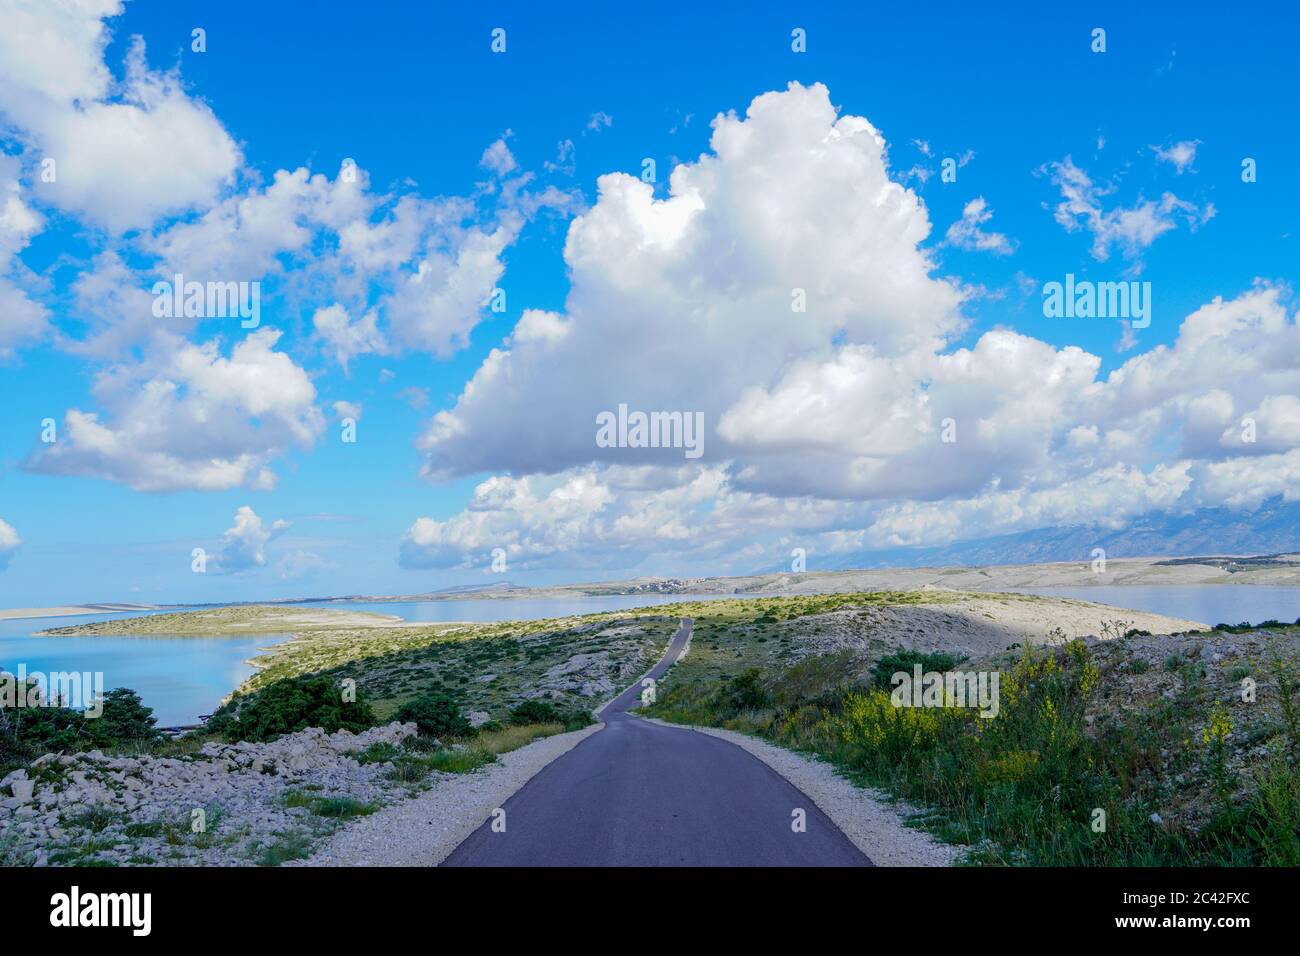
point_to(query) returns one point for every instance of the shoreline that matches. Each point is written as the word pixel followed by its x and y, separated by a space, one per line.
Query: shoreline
pixel 72 610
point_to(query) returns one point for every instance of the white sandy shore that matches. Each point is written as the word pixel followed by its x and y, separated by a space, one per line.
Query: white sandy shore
pixel 70 610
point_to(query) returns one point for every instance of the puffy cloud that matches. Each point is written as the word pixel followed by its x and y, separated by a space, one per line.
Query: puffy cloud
pixel 350 410
pixel 125 153
pixel 9 542
pixel 1109 497
pixel 24 319
pixel 793 202
pixel 608 516
pixel 966 232
pixel 1232 359
pixel 115 310
pixel 243 236
pixel 348 339
pixel 138 151
pixel 564 159
pixel 187 417
pixel 1248 482
pixel 831 422
pixel 18 221
pixel 498 159
pixel 1181 155
pixel 243 546
pixel 528 518
pixel 56 50
pixel 434 266
pixel 1131 229
pixel 435 307
pixel 863 425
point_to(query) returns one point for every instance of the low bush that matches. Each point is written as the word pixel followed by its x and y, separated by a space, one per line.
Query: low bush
pixel 745 691
pixel 291 705
pixel 883 671
pixel 435 715
pixel 545 712
pixel 29 732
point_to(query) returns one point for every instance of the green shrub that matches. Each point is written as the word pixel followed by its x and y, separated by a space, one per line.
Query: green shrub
pixel 435 715
pixel 535 712
pixel 883 670
pixel 545 712
pixel 291 705
pixel 125 720
pixel 577 719
pixel 29 732
pixel 745 691
pixel 420 745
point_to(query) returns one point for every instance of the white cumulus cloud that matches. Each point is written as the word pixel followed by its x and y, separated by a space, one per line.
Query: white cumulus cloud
pixel 243 546
pixel 188 417
pixel 9 542
pixel 125 151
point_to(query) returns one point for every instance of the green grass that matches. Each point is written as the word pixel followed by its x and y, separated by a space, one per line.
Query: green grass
pixel 146 829
pixel 95 820
pixel 288 845
pixel 11 855
pixel 512 738
pixel 334 808
pixel 414 762
pixel 381 752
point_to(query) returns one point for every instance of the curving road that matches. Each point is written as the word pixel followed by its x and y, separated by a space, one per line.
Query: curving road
pixel 641 794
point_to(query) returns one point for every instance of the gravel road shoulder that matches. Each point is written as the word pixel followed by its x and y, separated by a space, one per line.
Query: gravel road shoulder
pixel 422 831
pixel 875 827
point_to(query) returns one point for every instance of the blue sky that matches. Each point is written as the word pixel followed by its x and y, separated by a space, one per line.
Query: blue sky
pixel 818 437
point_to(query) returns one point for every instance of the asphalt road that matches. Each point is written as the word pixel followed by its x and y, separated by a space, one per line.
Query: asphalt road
pixel 640 794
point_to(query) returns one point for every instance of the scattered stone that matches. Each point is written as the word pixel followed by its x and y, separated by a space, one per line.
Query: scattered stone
pixel 238 787
pixel 23 789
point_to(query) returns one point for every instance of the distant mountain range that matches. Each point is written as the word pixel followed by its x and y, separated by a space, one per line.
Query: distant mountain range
pixel 1273 528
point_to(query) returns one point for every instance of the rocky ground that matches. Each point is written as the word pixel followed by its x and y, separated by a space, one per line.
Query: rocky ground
pixel 1177 682
pixel 226 805
pixel 972 626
